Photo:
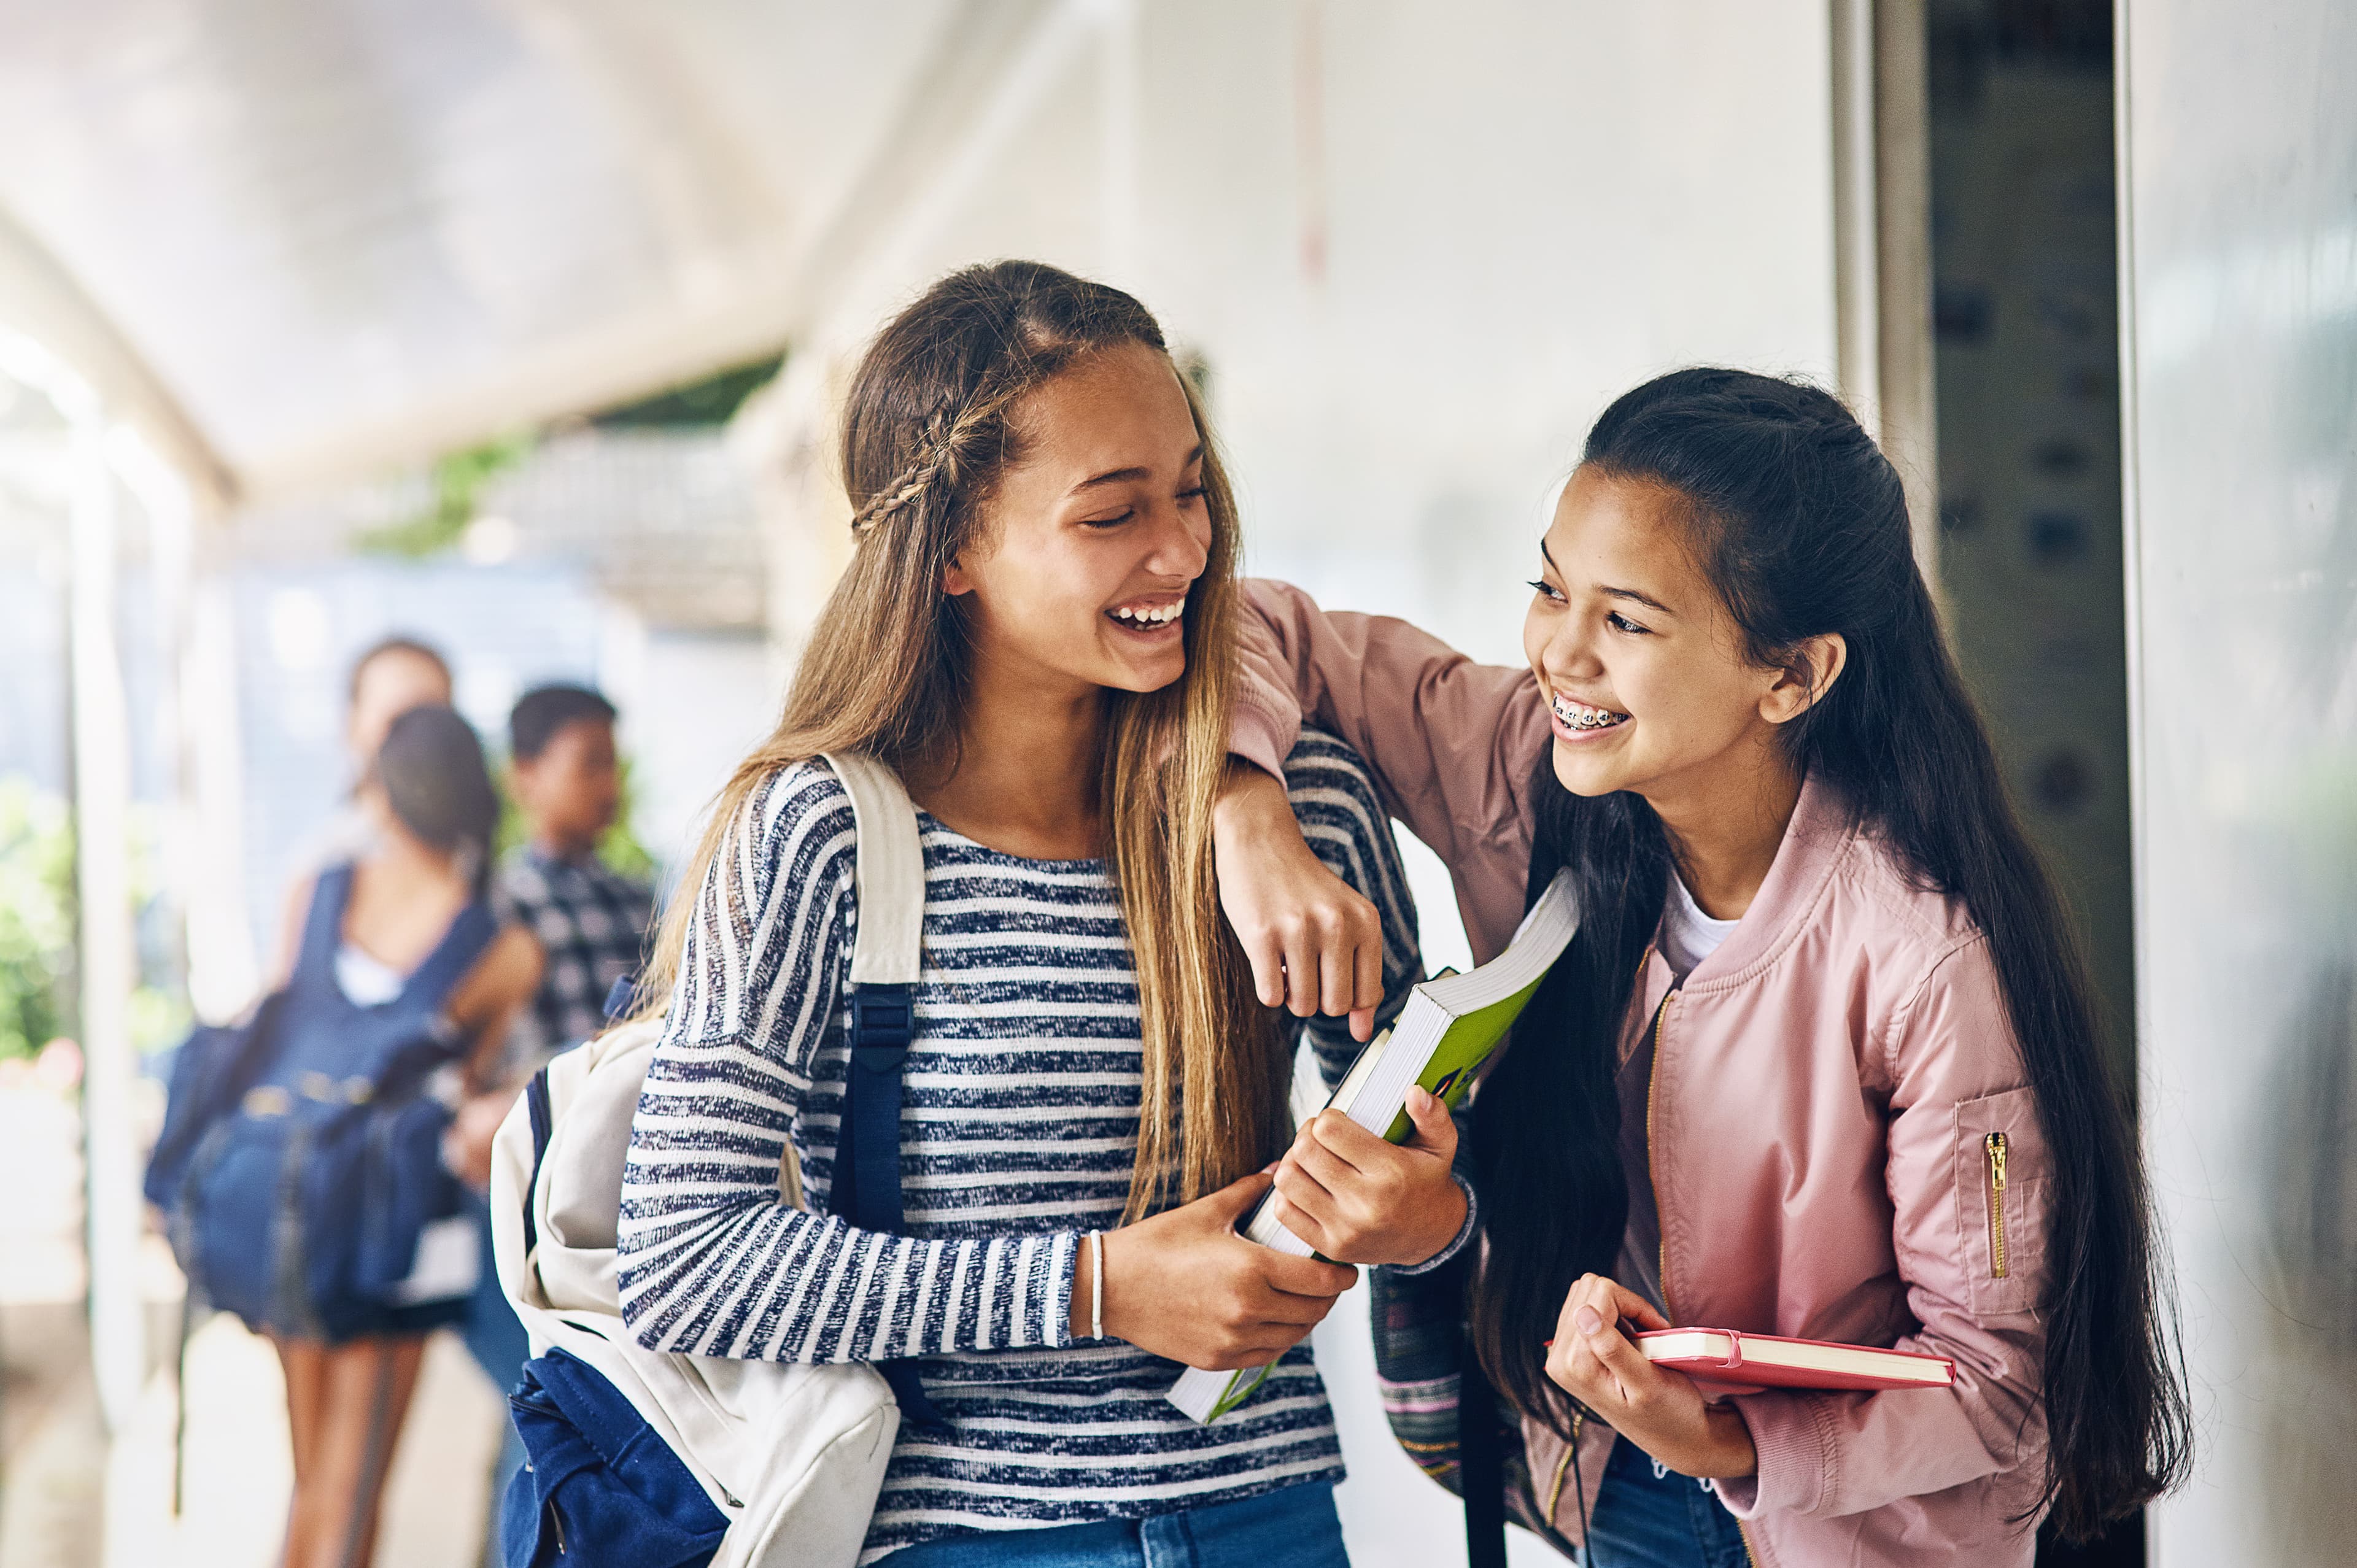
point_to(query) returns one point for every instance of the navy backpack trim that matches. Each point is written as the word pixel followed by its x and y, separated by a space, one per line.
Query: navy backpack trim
pixel 601 1485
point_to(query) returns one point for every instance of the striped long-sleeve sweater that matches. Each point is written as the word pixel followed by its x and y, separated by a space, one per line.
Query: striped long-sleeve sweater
pixel 1018 1128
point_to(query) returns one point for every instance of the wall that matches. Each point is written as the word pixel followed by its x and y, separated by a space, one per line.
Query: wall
pixel 2239 205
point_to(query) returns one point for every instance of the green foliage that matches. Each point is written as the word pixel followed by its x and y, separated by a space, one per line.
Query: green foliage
pixel 37 918
pixel 459 481
pixel 621 848
pixel 711 400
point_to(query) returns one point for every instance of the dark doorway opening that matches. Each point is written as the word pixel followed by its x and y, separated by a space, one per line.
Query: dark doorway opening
pixel 2025 264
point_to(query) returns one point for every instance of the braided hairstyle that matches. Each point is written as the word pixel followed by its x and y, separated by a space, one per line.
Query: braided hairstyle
pixel 934 417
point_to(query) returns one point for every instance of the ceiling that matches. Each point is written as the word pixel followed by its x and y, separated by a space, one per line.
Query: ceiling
pixel 301 241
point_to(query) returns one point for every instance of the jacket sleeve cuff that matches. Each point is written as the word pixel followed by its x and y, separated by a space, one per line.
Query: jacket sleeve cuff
pixel 1455 1242
pixel 1795 1474
pixel 1260 737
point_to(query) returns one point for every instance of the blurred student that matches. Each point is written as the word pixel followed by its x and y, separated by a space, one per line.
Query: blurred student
pixel 366 939
pixel 591 923
pixel 392 676
pixel 591 920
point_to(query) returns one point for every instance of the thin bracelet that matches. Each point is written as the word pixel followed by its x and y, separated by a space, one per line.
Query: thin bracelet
pixel 1096 1284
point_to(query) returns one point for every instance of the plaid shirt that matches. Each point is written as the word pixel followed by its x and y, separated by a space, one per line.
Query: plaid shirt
pixel 592 925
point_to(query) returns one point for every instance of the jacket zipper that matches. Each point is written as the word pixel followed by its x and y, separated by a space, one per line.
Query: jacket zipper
pixel 1563 1469
pixel 1996 1146
pixel 1652 1174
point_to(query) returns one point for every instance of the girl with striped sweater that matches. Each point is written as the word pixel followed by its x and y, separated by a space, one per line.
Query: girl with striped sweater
pixel 1035 631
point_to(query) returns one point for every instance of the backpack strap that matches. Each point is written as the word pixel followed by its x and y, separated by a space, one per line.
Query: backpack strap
pixel 886 959
pixel 454 955
pixel 544 1124
pixel 323 924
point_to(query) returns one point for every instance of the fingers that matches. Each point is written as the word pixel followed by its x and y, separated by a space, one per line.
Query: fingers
pixel 1306 1276
pixel 1339 965
pixel 1293 1310
pixel 1267 956
pixel 1635 1308
pixel 1257 1351
pixel 1344 1140
pixel 1302 985
pixel 1304 1224
pixel 1590 1355
pixel 1333 1149
pixel 1331 943
pixel 1303 1190
pixel 1234 1201
pixel 1435 1129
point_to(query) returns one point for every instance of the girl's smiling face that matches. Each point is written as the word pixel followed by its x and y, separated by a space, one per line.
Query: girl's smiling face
pixel 1648 683
pixel 1096 533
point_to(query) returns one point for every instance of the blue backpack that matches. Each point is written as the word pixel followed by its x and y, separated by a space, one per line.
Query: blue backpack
pixel 300 1161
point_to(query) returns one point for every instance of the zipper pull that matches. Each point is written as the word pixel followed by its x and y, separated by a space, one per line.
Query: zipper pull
pixel 1995 1143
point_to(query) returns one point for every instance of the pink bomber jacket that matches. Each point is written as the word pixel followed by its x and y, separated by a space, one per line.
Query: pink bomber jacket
pixel 1825 1094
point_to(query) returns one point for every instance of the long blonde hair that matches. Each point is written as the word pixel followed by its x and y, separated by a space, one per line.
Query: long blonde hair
pixel 927 432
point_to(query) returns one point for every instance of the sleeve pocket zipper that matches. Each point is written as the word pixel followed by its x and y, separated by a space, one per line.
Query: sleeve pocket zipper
pixel 1994 1145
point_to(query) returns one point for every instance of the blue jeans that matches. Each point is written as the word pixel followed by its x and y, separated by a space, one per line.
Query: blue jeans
pixel 1669 1520
pixel 1292 1528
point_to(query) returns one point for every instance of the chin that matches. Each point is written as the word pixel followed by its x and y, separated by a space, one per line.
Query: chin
pixel 1144 676
pixel 1582 776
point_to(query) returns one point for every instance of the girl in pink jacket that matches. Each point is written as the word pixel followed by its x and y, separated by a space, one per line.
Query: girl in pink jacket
pixel 1823 1060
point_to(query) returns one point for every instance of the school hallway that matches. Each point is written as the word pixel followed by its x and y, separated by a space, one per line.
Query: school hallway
pixel 66 1502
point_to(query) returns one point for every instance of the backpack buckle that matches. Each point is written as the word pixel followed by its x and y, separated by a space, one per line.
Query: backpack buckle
pixel 883 1020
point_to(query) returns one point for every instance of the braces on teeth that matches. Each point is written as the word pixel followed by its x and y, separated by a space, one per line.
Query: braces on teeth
pixel 1580 716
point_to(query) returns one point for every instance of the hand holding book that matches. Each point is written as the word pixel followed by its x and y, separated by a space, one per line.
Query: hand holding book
pixel 1356 1198
pixel 1182 1283
pixel 1661 1410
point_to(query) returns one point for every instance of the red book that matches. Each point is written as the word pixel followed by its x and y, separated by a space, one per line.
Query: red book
pixel 1767 1361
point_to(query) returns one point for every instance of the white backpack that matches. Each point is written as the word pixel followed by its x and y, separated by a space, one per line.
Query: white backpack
pixel 793 1456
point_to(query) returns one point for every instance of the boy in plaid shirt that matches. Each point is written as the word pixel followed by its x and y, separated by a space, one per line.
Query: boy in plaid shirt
pixel 591 921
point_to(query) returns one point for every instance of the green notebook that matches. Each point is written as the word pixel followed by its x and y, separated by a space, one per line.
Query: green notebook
pixel 1449 1026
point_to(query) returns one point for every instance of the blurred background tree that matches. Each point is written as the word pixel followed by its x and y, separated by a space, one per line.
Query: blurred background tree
pixel 37 918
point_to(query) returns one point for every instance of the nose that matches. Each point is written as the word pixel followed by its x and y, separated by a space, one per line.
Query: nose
pixel 1573 649
pixel 1182 541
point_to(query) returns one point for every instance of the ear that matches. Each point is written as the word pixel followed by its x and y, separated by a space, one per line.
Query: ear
pixel 1815 663
pixel 955 580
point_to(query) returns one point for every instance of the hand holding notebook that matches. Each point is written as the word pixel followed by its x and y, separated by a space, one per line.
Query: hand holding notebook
pixel 1666 1388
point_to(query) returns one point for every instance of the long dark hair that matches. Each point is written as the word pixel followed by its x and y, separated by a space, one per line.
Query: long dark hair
pixel 432 770
pixel 1799 521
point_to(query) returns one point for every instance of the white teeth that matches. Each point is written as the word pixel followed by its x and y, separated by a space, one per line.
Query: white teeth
pixel 1158 615
pixel 1579 715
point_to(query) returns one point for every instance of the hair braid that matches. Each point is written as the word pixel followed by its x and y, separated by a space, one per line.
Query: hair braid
pixel 938 460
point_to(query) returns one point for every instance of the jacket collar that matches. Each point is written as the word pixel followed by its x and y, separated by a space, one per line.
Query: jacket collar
pixel 1815 841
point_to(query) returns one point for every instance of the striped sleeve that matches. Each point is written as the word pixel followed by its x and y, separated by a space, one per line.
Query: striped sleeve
pixel 712 1260
pixel 1345 825
pixel 1344 821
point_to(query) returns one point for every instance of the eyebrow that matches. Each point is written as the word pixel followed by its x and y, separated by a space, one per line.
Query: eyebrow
pixel 1128 476
pixel 1608 591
